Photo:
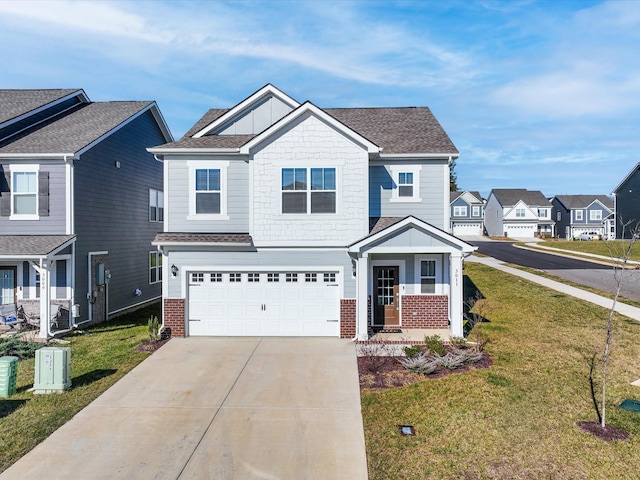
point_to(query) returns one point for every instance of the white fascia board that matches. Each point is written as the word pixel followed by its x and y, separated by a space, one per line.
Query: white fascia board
pixel 22 257
pixel 309 107
pixel 164 127
pixel 200 244
pixel 601 204
pixel 37 156
pixel 191 151
pixel 297 244
pixel 254 98
pixel 53 253
pixel 115 129
pixel 419 156
pixel 633 170
pixel 412 250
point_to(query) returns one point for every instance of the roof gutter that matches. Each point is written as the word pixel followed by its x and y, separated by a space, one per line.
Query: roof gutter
pixel 187 151
pixel 419 156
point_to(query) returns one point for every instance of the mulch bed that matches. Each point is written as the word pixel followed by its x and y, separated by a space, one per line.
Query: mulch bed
pixel 380 373
pixel 151 346
pixel 608 433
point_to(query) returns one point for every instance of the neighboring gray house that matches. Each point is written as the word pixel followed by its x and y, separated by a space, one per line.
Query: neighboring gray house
pixel 517 213
pixel 285 219
pixel 467 213
pixel 576 214
pixel 627 203
pixel 80 202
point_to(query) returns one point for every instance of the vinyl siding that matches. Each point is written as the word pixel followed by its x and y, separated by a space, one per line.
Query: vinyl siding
pixel 177 213
pixel 55 222
pixel 433 191
pixel 112 211
pixel 628 205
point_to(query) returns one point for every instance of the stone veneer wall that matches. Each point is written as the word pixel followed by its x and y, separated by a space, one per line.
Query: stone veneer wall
pixel 425 311
pixel 173 317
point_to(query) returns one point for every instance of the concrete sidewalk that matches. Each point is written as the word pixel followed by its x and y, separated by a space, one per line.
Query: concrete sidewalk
pixel 621 308
pixel 217 408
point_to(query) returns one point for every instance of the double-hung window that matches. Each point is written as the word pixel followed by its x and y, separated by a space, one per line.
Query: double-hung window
pixel 208 190
pixel 460 211
pixel 578 214
pixel 427 276
pixel 156 205
pixel 595 215
pixel 308 190
pixel 475 211
pixel 155 267
pixel 25 193
pixel 407 183
pixel 520 212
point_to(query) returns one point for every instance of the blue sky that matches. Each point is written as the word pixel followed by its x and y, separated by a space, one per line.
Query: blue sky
pixel 543 95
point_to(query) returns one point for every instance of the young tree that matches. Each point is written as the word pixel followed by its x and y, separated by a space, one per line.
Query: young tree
pixel 453 179
pixel 620 253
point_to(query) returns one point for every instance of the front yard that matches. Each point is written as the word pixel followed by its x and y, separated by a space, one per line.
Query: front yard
pixel 607 249
pixel 515 419
pixel 99 358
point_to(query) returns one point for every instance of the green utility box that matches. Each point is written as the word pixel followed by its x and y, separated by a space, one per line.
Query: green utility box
pixel 53 370
pixel 8 375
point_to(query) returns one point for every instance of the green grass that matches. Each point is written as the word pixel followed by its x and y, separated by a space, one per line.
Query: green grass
pixel 99 358
pixel 607 249
pixel 515 419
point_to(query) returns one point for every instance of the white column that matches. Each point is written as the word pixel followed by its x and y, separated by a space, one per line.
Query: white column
pixel 45 297
pixel 455 295
pixel 362 295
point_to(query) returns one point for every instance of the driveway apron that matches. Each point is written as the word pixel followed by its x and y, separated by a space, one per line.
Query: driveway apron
pixel 218 408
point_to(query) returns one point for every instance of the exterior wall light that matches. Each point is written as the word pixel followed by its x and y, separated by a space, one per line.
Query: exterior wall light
pixel 174 271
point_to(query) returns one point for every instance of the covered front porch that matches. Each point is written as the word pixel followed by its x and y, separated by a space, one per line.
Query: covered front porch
pixel 36 281
pixel 408 282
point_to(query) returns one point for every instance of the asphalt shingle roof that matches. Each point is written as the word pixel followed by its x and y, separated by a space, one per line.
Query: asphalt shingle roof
pixel 14 103
pixel 454 195
pixel 203 238
pixel 583 201
pixel 396 130
pixel 31 244
pixel 510 196
pixel 377 224
pixel 72 131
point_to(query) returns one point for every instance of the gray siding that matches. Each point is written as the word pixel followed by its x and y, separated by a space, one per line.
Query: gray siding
pixel 55 222
pixel 280 260
pixel 432 207
pixel 112 211
pixel 628 205
pixel 237 200
pixel 493 217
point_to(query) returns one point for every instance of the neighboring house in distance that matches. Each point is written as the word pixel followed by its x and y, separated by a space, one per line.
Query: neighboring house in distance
pixel 467 212
pixel 627 203
pixel 517 212
pixel 576 214
pixel 282 218
pixel 80 202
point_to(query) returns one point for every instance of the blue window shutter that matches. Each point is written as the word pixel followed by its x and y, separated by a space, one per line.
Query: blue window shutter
pixel 43 194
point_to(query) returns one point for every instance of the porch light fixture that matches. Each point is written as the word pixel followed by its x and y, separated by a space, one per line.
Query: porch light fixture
pixel 174 270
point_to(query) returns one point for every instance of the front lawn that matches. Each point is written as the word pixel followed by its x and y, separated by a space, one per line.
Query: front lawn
pixel 607 249
pixel 99 358
pixel 515 419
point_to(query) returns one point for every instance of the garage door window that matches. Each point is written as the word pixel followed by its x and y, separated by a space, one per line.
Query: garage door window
pixel 310 277
pixel 291 277
pixel 329 277
pixel 273 277
pixel 235 277
pixel 253 277
pixel 197 277
pixel 216 277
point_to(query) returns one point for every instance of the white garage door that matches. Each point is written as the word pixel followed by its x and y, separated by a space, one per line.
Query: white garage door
pixel 520 230
pixel 467 229
pixel 244 303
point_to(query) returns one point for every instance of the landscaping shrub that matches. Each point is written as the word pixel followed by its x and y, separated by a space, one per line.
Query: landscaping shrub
pixel 16 347
pixel 458 342
pixel 413 351
pixel 450 361
pixel 435 345
pixel 422 363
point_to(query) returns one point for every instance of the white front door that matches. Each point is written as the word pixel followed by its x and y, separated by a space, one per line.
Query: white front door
pixel 245 303
pixel 7 285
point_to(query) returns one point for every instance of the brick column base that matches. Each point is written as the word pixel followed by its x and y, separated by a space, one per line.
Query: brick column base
pixel 174 320
pixel 347 317
pixel 425 311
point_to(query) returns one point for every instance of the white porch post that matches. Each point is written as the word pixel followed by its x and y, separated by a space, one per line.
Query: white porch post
pixel 45 296
pixel 455 295
pixel 362 295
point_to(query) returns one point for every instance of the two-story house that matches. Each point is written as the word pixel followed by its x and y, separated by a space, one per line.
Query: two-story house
pixel 576 214
pixel 282 218
pixel 627 204
pixel 517 213
pixel 467 213
pixel 80 202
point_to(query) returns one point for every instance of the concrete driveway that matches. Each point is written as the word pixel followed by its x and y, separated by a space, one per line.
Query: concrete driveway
pixel 218 408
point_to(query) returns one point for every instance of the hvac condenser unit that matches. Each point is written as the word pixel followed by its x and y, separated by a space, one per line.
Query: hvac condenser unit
pixel 53 370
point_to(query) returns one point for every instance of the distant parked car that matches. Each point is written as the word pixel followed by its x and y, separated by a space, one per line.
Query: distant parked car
pixel 589 236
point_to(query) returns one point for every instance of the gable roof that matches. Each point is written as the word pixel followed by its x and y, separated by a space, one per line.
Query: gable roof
pixel 72 132
pixel 396 130
pixel 453 196
pixel 508 197
pixel 15 103
pixel 33 245
pixel 583 201
pixel 635 169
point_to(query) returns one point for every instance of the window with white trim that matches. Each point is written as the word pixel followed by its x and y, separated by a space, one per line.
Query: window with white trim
pixel 216 277
pixel 235 277
pixel 427 276
pixel 520 212
pixel 308 190
pixel 273 277
pixel 406 179
pixel 475 211
pixel 156 205
pixel 253 277
pixel 460 211
pixel 310 277
pixel 197 277
pixel 208 190
pixel 329 277
pixel 291 277
pixel 595 215
pixel 542 212
pixel 155 267
pixel 578 214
